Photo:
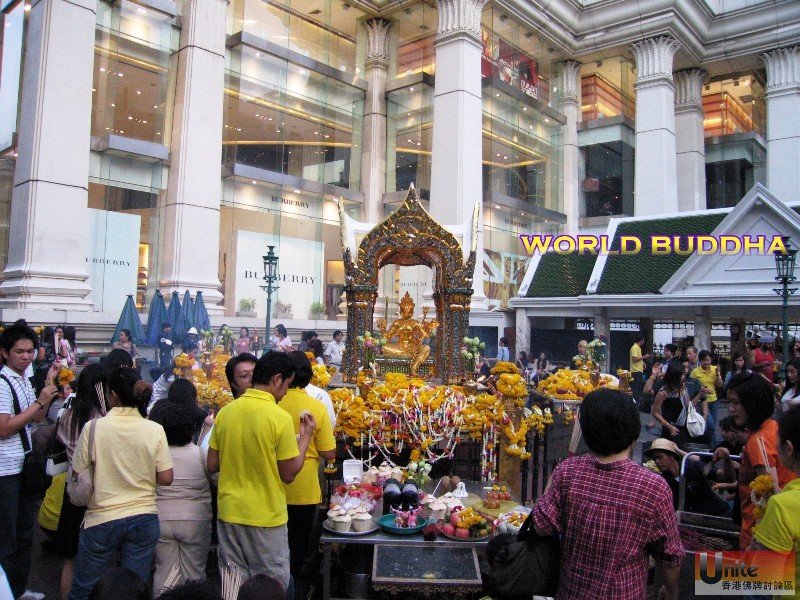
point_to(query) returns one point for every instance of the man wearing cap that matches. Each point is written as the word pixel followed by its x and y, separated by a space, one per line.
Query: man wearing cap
pixel 762 359
pixel 699 498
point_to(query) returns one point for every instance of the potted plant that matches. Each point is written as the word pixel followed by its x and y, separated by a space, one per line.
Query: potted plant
pixel 317 309
pixel 283 310
pixel 247 308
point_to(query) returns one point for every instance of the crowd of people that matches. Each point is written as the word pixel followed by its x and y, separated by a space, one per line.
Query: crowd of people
pixel 155 465
pixel 170 481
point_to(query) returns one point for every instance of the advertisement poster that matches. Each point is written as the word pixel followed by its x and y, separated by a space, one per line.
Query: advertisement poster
pixel 112 258
pixel 500 59
pixel 300 270
pixel 502 275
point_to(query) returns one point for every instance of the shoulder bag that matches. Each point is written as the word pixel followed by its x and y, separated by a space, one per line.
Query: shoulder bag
pixel 80 486
pixel 695 423
pixel 524 565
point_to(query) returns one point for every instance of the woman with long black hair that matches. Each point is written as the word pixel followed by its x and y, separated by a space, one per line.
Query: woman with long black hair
pixel 88 404
pixel 670 403
pixel 131 457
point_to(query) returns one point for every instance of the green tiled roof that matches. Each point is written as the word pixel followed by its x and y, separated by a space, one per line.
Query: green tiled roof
pixel 561 275
pixel 645 273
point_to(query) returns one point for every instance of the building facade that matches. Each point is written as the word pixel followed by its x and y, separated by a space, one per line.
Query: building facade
pixel 156 144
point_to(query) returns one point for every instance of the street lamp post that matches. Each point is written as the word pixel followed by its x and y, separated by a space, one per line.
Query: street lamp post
pixel 784 266
pixel 270 277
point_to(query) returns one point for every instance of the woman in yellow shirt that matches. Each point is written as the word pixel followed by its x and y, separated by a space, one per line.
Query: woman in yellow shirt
pixel 130 456
pixel 710 380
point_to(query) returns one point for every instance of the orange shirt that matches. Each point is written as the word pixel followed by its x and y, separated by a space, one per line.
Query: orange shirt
pixel 751 458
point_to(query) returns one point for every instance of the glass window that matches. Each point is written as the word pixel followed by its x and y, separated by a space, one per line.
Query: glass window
pixel 326 32
pixel 734 104
pixel 607 184
pixel 12 36
pixel 303 226
pixel 607 89
pixel 504 258
pixel 123 229
pixel 284 118
pixel 519 157
pixel 411 38
pixel 410 130
pixel 734 163
pixel 131 81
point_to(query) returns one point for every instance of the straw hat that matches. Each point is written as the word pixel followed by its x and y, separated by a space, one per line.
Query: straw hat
pixel 665 446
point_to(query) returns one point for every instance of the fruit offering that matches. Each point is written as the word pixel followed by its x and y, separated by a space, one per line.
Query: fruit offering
pixel 466 523
pixel 498 492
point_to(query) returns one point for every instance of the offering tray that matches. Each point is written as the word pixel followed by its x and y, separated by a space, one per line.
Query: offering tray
pixel 493 513
pixel 387 522
pixel 327 525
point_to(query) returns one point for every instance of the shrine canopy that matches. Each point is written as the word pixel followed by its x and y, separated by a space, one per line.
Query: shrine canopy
pixel 410 237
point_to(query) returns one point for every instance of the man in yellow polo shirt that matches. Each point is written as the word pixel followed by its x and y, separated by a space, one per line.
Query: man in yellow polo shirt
pixel 253 446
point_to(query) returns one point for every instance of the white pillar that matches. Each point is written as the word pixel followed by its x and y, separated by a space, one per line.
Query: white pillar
pixel 47 238
pixel 702 328
pixel 571 108
pixel 373 152
pixel 456 169
pixel 690 140
pixel 655 188
pixel 783 124
pixel 523 327
pixel 190 250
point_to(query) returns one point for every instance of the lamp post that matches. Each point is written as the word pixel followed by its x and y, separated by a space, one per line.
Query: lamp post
pixel 784 266
pixel 270 277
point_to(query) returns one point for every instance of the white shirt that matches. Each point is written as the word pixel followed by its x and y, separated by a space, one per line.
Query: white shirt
pixel 160 389
pixel 334 351
pixel 503 354
pixel 325 398
pixel 12 454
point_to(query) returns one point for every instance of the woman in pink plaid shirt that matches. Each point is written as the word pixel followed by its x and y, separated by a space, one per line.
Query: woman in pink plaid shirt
pixel 611 513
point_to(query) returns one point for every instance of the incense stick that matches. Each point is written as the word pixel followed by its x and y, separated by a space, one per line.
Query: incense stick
pixel 101 397
pixel 231 581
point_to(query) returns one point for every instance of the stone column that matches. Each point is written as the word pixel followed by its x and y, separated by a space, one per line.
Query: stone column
pixel 702 328
pixel 46 266
pixel 690 140
pixel 190 223
pixel 655 188
pixel 783 125
pixel 456 169
pixel 523 325
pixel 373 149
pixel 571 107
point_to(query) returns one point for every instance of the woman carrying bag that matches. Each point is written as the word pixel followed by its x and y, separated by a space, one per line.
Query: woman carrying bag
pixel 88 404
pixel 130 458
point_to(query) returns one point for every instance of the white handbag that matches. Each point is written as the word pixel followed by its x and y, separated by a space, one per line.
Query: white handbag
pixel 695 423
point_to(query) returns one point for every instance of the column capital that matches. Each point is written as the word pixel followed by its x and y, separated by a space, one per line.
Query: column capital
pixel 377 42
pixel 689 88
pixel 459 19
pixel 783 69
pixel 570 81
pixel 654 59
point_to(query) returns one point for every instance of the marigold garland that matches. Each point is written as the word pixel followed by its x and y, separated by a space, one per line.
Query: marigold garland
pixel 762 488
pixel 572 384
pixel 321 377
